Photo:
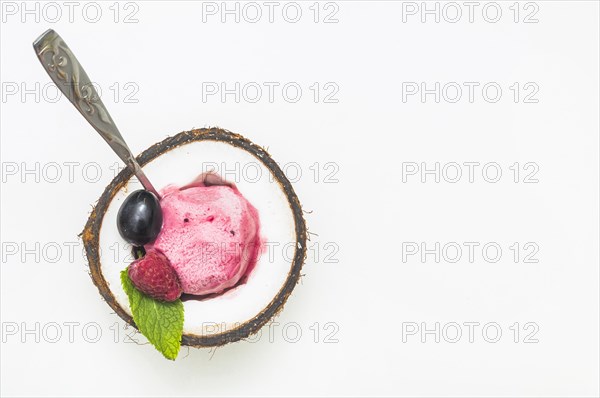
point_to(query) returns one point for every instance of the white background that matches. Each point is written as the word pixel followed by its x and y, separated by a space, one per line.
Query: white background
pixel 370 295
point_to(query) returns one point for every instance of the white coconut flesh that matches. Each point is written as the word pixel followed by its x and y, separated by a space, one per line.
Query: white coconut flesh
pixel 180 166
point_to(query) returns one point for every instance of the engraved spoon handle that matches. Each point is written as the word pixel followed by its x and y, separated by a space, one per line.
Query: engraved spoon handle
pixel 70 78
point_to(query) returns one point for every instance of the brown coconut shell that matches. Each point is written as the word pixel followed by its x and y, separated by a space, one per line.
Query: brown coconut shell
pixel 91 232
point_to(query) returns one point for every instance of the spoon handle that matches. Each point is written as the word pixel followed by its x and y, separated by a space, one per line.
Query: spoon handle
pixel 70 78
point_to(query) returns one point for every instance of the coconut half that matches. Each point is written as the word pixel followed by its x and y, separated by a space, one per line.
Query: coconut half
pixel 244 309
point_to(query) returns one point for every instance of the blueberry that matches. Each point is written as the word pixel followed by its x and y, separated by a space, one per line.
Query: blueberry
pixel 140 218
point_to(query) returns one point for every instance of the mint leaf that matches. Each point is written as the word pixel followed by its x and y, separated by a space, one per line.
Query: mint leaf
pixel 159 321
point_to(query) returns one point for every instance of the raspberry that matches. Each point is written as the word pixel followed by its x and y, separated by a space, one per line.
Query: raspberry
pixel 154 276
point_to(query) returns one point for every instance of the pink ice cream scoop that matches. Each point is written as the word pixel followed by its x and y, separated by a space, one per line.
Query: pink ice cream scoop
pixel 210 234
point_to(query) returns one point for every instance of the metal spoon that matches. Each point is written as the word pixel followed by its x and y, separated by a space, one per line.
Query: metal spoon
pixel 69 76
